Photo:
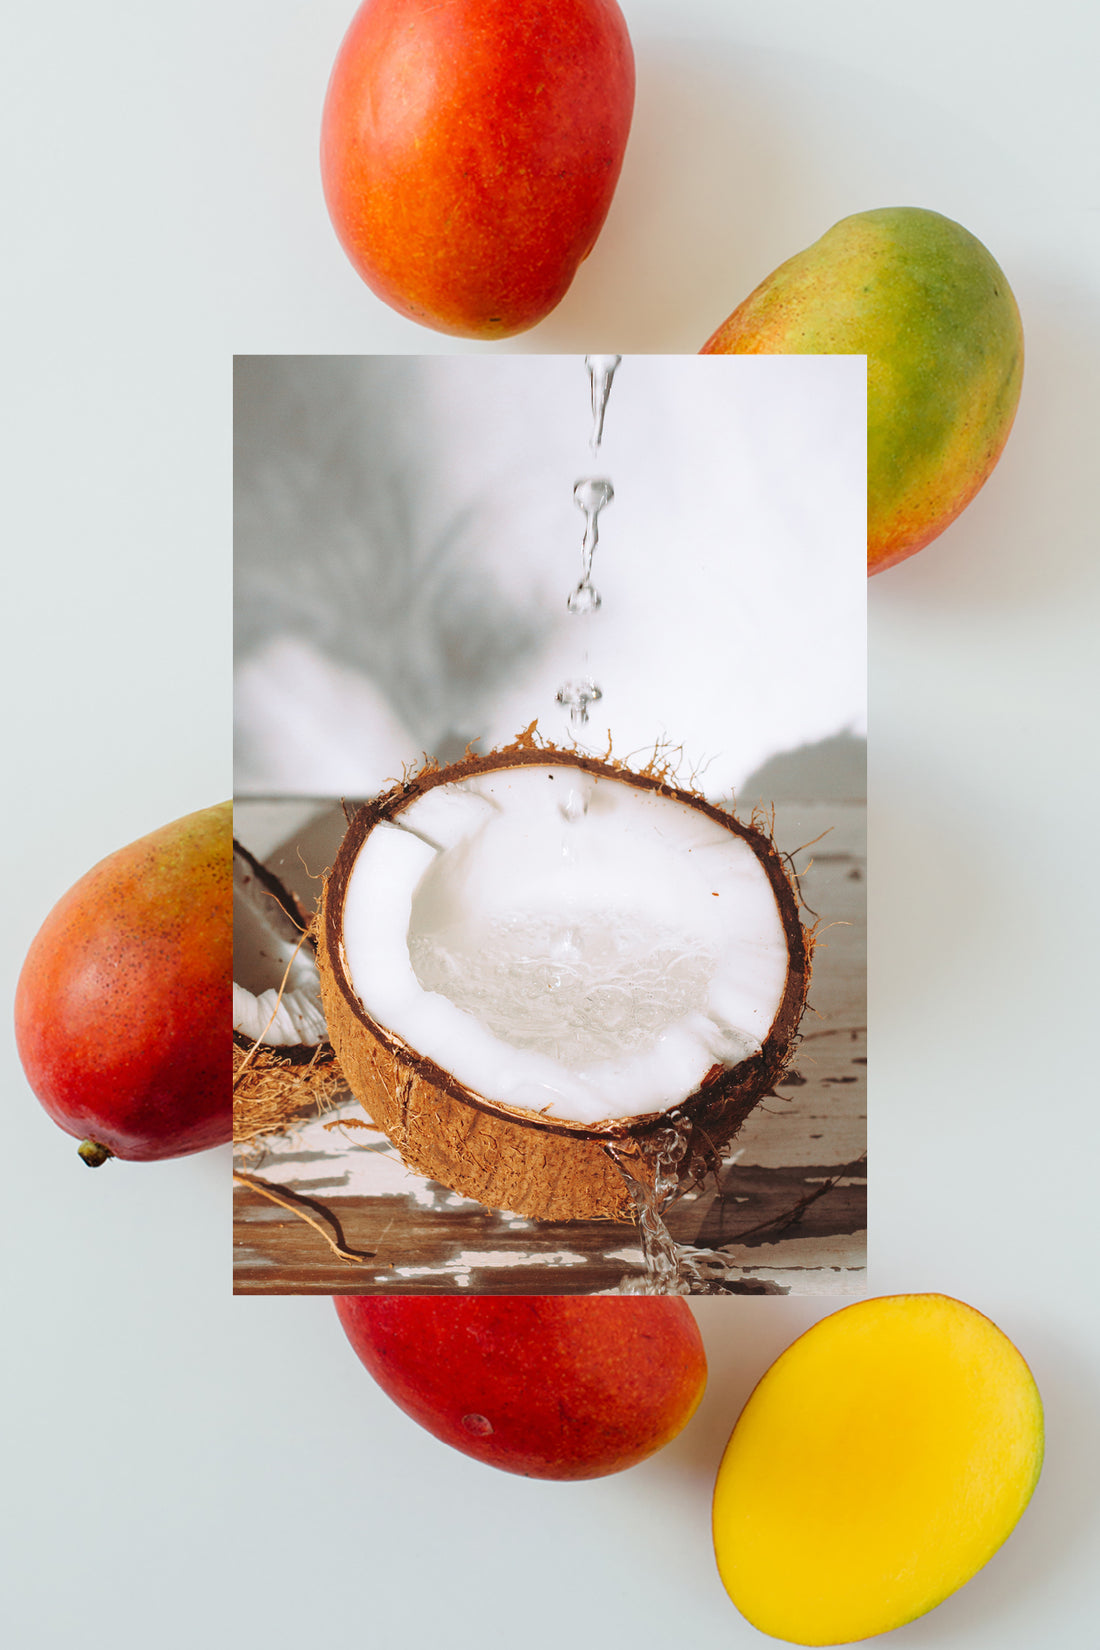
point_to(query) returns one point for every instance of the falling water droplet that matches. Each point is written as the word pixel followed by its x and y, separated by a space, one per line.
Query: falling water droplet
pixel 590 494
pixel 601 370
pixel 584 599
pixel 577 696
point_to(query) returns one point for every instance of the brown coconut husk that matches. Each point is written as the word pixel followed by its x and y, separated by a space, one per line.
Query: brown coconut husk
pixel 539 1167
pixel 273 1090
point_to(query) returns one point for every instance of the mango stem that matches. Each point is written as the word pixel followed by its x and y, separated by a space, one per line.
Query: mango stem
pixel 93 1154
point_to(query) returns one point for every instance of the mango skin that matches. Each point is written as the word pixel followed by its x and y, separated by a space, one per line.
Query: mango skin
pixel 933 313
pixel 122 1010
pixel 470 151
pixel 547 1386
pixel 878 1464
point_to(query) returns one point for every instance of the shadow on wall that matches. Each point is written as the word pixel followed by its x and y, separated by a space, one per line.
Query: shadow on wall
pixel 832 770
pixel 350 574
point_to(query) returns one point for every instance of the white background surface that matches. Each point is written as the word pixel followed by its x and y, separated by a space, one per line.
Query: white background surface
pixel 188 1469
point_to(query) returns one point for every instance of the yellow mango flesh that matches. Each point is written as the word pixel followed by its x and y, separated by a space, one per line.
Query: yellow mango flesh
pixel 932 311
pixel 879 1463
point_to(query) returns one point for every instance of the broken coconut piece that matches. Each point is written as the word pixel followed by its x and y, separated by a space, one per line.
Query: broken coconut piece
pixel 276 988
pixel 532 957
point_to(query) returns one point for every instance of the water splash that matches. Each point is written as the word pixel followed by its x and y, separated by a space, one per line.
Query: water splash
pixel 579 992
pixel 601 370
pixel 669 1267
pixel 590 494
pixel 663 1272
pixel 574 807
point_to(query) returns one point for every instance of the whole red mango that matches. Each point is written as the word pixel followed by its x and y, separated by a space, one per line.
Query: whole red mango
pixel 469 152
pixel 548 1386
pixel 122 1012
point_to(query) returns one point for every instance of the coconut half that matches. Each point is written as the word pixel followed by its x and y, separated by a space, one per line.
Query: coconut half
pixel 276 986
pixel 534 960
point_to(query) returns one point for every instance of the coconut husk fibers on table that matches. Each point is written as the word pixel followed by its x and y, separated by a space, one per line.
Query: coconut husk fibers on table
pixel 793 1183
pixel 273 1091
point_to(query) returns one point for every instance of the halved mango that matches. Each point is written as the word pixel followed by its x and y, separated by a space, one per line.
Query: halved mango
pixel 883 1458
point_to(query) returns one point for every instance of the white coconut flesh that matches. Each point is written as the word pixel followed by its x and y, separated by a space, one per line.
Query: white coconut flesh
pixel 563 943
pixel 270 1004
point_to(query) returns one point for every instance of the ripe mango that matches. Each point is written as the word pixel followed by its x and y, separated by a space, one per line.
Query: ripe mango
pixel 469 152
pixel 548 1386
pixel 933 313
pixel 122 1011
pixel 883 1458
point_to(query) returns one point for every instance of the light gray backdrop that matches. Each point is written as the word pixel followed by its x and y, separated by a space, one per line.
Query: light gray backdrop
pixel 187 1469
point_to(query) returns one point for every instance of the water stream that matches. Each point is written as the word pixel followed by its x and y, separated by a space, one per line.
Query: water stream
pixel 668 1267
pixel 591 494
pixel 601 370
pixel 663 1269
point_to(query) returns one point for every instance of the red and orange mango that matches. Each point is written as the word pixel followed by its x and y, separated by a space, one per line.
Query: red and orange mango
pixel 122 1012
pixel 469 152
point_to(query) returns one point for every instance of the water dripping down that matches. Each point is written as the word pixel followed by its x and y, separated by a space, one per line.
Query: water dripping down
pixel 669 1267
pixel 590 494
pixel 662 1273
pixel 601 370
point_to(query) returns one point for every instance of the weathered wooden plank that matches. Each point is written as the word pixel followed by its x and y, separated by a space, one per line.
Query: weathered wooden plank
pixel 429 1249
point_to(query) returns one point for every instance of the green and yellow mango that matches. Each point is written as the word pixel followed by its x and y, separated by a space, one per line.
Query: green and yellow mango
pixel 933 313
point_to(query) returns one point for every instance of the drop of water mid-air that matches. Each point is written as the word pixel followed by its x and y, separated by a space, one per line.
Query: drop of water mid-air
pixel 584 599
pixel 590 494
pixel 601 370
pixel 577 696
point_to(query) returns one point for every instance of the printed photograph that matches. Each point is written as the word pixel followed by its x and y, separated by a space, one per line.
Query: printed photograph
pixel 550 795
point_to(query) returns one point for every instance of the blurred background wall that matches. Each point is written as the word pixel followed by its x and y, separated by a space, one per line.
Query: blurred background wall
pixel 406 540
